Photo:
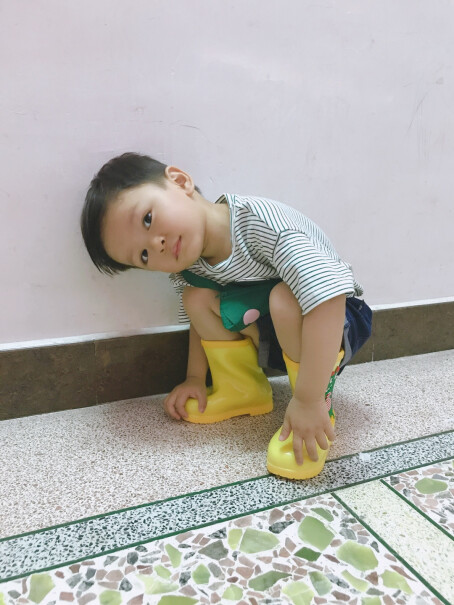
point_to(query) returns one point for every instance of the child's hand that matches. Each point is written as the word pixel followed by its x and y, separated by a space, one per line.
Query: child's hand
pixel 176 400
pixel 310 423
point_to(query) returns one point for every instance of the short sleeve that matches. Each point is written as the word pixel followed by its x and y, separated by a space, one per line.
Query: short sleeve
pixel 313 273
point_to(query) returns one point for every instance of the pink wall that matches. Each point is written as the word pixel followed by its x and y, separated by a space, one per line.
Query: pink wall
pixel 341 109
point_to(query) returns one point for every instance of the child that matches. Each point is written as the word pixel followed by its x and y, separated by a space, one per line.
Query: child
pixel 259 282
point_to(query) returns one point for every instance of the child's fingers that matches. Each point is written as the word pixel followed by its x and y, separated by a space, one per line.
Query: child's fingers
pixel 175 402
pixel 199 396
pixel 179 406
pixel 329 432
pixel 202 399
pixel 170 409
pixel 170 403
pixel 322 440
pixel 311 447
pixel 298 449
pixel 166 402
pixel 286 430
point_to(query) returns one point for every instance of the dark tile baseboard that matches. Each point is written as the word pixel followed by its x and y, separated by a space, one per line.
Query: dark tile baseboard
pixel 51 378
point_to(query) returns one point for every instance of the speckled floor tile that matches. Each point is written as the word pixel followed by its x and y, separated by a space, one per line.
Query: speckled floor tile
pixel 430 489
pixel 122 508
pixel 425 548
pixel 90 537
pixel 60 467
pixel 306 552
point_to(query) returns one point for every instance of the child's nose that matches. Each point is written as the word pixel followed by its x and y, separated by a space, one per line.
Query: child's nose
pixel 160 243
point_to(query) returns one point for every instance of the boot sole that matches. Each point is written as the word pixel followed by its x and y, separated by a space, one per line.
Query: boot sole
pixel 310 473
pixel 255 411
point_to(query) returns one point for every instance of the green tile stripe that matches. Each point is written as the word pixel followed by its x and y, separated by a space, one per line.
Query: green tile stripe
pixel 417 509
pixel 270 490
pixel 259 478
pixel 165 536
pixel 387 445
pixel 178 567
pixel 390 549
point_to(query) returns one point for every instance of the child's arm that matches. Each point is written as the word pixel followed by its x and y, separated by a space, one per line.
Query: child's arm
pixel 307 415
pixel 194 385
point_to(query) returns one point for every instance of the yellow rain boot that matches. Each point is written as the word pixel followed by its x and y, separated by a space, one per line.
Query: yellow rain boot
pixel 281 459
pixel 239 384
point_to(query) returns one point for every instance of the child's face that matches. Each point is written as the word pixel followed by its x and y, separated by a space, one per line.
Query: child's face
pixel 156 228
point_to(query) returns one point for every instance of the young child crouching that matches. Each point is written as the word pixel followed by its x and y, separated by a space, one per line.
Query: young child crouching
pixel 260 284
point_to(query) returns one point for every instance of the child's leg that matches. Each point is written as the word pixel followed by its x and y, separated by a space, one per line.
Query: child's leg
pixel 287 320
pixel 288 324
pixel 203 307
pixel 239 384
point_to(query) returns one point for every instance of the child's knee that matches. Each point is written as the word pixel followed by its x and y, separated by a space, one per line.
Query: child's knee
pixel 283 304
pixel 200 300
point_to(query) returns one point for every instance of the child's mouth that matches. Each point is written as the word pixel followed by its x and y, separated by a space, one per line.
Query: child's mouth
pixel 177 248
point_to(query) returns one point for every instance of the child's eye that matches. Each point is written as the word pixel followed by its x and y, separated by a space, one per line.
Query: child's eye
pixel 147 219
pixel 144 257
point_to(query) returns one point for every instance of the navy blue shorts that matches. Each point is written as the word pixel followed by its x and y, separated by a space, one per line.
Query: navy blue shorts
pixel 357 330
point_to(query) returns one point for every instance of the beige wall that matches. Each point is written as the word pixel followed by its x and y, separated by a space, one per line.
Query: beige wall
pixel 342 109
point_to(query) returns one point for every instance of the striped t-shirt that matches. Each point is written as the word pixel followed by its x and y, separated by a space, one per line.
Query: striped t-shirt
pixel 272 240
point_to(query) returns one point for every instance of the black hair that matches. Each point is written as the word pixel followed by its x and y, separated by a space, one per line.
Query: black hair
pixel 120 173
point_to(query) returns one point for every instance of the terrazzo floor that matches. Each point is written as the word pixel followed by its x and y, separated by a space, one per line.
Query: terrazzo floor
pixel 119 505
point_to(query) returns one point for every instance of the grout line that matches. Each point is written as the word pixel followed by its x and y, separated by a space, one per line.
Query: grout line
pixel 165 536
pixel 238 483
pixel 252 480
pixel 230 518
pixel 48 543
pixel 390 549
pixel 132 545
pixel 383 447
pixel 418 510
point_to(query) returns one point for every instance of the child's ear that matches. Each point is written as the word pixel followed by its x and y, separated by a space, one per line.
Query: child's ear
pixel 180 178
